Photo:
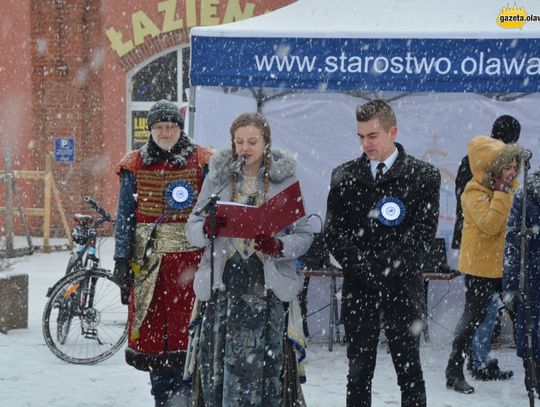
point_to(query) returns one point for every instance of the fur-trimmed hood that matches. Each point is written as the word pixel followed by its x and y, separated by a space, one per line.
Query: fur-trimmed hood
pixel 488 156
pixel 282 166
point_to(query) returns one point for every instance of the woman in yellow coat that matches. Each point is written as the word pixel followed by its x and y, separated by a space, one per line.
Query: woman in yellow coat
pixel 486 203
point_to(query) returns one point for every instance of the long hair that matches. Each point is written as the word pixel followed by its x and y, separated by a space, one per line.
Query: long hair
pixel 258 121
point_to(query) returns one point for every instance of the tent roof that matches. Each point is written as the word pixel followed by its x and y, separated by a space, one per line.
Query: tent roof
pixel 381 19
pixel 359 45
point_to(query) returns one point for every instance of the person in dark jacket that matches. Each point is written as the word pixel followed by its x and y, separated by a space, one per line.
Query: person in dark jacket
pixel 511 274
pixel 382 216
pixel 154 263
pixel 507 129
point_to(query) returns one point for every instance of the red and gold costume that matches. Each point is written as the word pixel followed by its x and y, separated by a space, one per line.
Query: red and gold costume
pixel 162 260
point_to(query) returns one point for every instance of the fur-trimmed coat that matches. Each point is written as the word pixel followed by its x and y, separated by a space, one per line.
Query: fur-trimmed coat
pixel 280 273
pixel 485 211
pixel 512 256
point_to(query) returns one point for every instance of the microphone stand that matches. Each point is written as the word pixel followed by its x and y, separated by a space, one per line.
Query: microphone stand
pixel 524 236
pixel 210 207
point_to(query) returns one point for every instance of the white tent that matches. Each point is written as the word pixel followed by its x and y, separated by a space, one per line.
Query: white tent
pixel 447 68
pixel 413 47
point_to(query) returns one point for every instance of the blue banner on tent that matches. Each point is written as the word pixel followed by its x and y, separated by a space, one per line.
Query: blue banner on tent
pixel 408 65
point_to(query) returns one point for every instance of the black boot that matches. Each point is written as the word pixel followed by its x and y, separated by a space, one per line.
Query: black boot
pixel 492 372
pixel 528 384
pixel 459 384
pixel 454 375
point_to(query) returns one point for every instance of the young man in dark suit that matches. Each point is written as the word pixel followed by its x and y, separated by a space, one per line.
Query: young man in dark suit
pixel 382 216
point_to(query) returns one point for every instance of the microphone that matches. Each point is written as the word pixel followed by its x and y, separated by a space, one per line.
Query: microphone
pixel 526 155
pixel 237 166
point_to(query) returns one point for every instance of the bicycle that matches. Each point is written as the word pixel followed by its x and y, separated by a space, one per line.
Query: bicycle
pixel 84 321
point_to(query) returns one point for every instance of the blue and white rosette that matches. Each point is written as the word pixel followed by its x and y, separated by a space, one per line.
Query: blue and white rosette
pixel 391 210
pixel 179 195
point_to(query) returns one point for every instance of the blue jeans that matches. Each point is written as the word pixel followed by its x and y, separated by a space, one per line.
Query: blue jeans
pixel 168 388
pixel 481 342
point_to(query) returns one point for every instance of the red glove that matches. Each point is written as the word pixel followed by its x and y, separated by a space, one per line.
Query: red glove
pixel 269 245
pixel 221 222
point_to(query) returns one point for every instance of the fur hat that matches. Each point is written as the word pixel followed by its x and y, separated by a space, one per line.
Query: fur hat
pixel 164 111
pixel 506 128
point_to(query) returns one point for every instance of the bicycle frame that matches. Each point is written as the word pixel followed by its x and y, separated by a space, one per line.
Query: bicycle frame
pixel 84 255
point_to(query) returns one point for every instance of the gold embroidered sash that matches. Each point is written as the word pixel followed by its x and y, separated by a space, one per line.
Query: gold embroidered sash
pixel 146 261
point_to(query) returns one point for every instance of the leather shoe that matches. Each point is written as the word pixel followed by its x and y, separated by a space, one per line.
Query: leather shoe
pixel 459 384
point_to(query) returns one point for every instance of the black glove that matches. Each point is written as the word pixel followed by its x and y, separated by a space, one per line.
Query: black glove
pixel 123 276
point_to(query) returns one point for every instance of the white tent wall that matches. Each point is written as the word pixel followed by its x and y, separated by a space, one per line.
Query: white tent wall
pixel 319 128
pixel 452 51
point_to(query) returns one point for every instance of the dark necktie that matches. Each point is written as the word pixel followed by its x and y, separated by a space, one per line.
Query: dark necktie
pixel 379 173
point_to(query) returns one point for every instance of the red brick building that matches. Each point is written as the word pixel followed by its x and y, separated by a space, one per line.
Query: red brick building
pixel 76 80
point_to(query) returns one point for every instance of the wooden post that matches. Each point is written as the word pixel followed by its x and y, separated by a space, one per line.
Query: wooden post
pixel 8 182
pixel 50 192
pixel 23 217
pixel 60 208
pixel 47 204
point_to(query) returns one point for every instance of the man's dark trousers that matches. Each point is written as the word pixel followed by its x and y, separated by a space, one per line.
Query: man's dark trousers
pixel 363 320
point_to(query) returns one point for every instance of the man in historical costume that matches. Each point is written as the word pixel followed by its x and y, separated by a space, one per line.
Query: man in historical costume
pixel 154 263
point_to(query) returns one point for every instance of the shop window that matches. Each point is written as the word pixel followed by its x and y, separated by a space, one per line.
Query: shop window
pixel 164 77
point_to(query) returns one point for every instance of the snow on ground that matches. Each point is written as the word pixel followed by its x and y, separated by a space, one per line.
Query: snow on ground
pixel 31 376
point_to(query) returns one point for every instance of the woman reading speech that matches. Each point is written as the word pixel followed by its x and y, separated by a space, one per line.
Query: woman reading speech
pixel 240 357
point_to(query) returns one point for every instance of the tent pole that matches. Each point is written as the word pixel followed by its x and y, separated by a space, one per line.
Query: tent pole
pixel 191 112
pixel 259 96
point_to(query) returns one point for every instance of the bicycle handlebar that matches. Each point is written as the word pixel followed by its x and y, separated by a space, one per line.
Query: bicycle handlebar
pixel 98 208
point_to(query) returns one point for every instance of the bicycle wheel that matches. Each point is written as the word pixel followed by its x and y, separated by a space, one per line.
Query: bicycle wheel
pixel 84 321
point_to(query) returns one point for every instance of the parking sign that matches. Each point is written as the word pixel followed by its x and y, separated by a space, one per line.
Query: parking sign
pixel 64 150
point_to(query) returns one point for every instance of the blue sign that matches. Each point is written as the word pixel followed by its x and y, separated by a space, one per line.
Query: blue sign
pixel 64 150
pixel 359 64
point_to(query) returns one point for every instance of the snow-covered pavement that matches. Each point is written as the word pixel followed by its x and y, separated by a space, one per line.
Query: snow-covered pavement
pixel 30 375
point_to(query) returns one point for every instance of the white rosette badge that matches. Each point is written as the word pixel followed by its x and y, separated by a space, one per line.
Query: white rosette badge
pixel 391 210
pixel 179 195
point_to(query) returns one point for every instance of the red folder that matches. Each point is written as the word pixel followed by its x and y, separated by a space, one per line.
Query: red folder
pixel 277 213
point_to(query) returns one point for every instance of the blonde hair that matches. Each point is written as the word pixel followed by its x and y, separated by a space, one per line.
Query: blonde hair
pixel 258 121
